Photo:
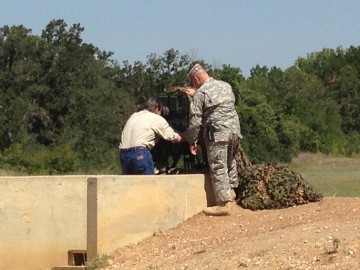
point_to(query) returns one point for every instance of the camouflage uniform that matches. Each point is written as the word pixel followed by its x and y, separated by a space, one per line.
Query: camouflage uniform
pixel 213 108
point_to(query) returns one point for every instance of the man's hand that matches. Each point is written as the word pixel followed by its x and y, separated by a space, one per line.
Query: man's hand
pixel 193 148
pixel 190 91
pixel 178 138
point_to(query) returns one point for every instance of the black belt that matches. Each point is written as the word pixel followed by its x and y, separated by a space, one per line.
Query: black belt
pixel 133 148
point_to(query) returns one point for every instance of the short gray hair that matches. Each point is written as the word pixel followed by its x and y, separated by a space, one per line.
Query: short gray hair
pixel 152 104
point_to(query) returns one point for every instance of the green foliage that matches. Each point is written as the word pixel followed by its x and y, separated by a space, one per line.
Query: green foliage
pixel 98 262
pixel 63 102
pixel 259 127
pixel 159 74
pixel 347 94
pixel 289 132
pixel 59 159
pixel 352 144
pixel 307 99
pixel 58 92
pixel 339 72
pixel 98 157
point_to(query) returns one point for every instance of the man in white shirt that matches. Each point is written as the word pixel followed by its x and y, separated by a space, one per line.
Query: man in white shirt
pixel 140 134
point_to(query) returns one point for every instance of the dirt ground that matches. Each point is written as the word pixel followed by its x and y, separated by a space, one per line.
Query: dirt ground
pixel 321 235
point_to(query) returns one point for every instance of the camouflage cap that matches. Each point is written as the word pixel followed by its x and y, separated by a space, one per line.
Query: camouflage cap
pixel 192 71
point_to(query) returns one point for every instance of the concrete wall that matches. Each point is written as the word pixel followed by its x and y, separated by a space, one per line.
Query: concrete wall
pixel 43 217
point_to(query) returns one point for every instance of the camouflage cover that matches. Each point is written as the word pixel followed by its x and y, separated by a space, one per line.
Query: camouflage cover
pixel 270 186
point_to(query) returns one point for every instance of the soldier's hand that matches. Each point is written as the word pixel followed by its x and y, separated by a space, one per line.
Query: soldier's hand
pixel 190 91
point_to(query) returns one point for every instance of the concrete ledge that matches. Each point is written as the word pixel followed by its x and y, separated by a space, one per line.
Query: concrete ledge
pixel 131 208
pixel 43 217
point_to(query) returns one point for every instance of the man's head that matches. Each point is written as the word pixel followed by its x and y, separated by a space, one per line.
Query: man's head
pixel 197 75
pixel 193 70
pixel 153 104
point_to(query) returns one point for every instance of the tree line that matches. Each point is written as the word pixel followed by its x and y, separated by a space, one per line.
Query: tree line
pixel 64 102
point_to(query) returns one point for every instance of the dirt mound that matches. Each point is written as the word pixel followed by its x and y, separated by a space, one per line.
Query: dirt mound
pixel 318 235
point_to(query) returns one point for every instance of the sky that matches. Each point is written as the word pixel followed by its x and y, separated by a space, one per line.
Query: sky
pixel 239 33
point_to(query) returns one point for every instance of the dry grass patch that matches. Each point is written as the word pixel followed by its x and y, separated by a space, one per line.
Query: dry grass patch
pixel 329 175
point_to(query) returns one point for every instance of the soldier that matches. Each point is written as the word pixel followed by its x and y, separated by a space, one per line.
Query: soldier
pixel 212 110
pixel 141 132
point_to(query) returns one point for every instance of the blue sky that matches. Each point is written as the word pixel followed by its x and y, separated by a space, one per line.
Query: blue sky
pixel 235 32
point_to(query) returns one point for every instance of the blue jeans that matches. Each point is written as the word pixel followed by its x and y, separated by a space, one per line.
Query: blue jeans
pixel 137 161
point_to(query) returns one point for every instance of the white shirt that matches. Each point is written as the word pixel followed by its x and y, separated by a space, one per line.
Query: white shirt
pixel 144 128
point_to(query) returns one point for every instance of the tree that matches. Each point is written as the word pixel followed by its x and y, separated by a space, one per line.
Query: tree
pixel 59 94
pixel 307 99
pixel 347 95
pixel 19 72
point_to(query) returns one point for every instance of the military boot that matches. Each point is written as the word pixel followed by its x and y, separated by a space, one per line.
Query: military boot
pixel 218 210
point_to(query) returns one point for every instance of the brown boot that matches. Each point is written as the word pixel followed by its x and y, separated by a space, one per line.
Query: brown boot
pixel 219 210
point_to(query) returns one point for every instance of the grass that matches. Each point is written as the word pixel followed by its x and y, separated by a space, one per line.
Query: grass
pixel 331 176
pixel 98 262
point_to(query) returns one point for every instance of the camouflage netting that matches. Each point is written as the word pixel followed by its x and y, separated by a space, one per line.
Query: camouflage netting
pixel 268 186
